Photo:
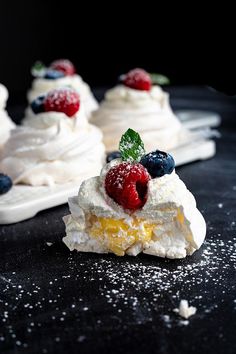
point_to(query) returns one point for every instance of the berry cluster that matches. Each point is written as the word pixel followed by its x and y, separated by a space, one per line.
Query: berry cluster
pixel 56 70
pixel 127 182
pixel 65 100
pixel 64 66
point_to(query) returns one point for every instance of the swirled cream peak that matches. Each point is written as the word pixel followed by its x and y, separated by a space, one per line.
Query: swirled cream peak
pixel 53 148
pixel 168 225
pixel 48 119
pixel 42 85
pixel 149 112
pixel 6 123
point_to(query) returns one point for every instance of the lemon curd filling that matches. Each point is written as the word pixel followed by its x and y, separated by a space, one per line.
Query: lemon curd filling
pixel 180 216
pixel 118 234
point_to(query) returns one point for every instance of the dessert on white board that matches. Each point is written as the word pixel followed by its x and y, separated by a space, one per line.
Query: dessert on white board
pixel 137 204
pixel 61 73
pixel 55 144
pixel 136 102
pixel 6 124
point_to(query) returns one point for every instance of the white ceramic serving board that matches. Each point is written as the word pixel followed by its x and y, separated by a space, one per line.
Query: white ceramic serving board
pixel 197 150
pixel 24 202
pixel 193 119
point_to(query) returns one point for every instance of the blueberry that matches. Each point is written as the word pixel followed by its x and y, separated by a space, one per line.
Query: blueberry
pixel 113 155
pixel 5 183
pixel 158 163
pixel 53 74
pixel 37 105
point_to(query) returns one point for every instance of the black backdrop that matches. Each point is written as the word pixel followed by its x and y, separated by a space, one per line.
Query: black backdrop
pixel 105 42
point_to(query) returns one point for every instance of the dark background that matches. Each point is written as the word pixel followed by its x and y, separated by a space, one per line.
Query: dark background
pixel 190 46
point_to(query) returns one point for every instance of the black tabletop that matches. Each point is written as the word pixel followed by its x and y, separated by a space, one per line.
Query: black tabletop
pixel 54 301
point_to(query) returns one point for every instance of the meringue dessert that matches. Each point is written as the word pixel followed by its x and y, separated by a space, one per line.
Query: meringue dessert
pixel 137 204
pixel 61 73
pixel 137 103
pixel 6 123
pixel 56 144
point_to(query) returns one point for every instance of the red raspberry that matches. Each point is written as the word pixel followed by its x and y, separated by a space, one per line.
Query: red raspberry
pixel 62 100
pixel 63 65
pixel 138 79
pixel 126 184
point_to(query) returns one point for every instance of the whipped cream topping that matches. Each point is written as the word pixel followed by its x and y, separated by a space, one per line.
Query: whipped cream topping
pixel 167 199
pixel 52 148
pixel 149 112
pixel 6 123
pixel 41 86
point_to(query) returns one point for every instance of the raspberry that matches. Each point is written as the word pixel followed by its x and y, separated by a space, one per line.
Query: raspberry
pixel 62 100
pixel 126 184
pixel 63 65
pixel 138 79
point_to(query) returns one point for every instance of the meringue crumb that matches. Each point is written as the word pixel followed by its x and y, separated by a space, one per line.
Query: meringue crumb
pixel 49 244
pixel 185 310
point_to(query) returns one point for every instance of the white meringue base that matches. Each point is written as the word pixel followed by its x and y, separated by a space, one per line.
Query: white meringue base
pixel 170 240
pixel 148 112
pixel 168 197
pixel 52 148
pixel 28 167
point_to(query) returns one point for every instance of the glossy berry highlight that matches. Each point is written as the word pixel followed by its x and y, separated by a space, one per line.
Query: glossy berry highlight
pixel 158 163
pixel 126 184
pixel 138 79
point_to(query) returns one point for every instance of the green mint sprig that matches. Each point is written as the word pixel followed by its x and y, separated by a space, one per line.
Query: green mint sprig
pixel 131 146
pixel 159 79
pixel 38 69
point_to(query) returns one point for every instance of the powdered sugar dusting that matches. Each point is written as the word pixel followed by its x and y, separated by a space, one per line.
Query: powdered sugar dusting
pixel 127 184
pixel 131 146
pixel 64 100
pixel 64 65
pixel 133 291
pixel 68 94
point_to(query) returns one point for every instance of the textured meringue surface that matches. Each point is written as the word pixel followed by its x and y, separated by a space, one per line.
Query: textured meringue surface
pixel 169 224
pixel 52 148
pixel 148 112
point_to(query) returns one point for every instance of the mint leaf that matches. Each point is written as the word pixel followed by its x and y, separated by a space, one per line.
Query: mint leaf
pixel 158 79
pixel 131 146
pixel 38 69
